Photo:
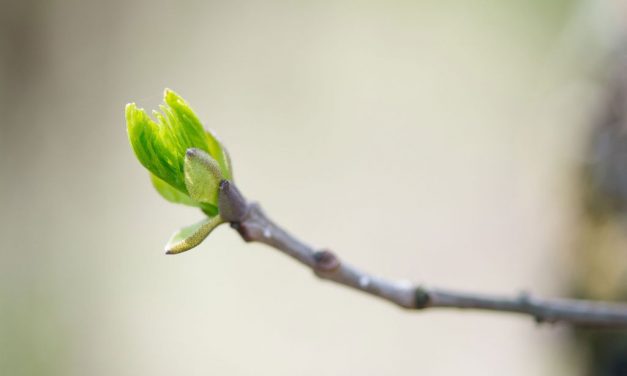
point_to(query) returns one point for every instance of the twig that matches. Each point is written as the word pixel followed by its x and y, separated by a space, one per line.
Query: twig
pixel 254 226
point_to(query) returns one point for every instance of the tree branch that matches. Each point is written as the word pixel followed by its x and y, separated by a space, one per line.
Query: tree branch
pixel 254 226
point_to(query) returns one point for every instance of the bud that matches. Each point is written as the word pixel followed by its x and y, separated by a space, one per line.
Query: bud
pixel 190 236
pixel 202 176
pixel 186 162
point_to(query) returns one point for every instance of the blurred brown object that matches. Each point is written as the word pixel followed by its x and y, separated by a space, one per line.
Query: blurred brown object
pixel 601 257
pixel 607 168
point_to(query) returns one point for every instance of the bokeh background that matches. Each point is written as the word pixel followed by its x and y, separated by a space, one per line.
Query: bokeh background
pixel 436 141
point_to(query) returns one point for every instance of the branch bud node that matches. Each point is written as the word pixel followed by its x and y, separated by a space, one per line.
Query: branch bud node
pixel 422 298
pixel 243 230
pixel 326 261
pixel 233 206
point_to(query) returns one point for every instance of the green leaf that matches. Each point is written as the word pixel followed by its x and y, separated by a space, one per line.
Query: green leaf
pixel 190 236
pixel 160 146
pixel 219 153
pixel 175 196
pixel 170 193
pixel 202 176
pixel 229 165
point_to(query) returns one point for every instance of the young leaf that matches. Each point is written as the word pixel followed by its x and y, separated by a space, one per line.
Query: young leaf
pixel 202 176
pixel 219 153
pixel 170 193
pixel 190 236
pixel 160 146
pixel 175 196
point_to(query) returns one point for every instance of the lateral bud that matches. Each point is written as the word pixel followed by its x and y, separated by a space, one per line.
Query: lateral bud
pixel 326 261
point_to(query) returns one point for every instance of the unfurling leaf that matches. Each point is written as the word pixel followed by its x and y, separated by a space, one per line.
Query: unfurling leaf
pixel 220 154
pixel 160 146
pixel 170 193
pixel 190 236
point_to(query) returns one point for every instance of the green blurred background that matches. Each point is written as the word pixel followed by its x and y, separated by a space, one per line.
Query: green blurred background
pixel 436 141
